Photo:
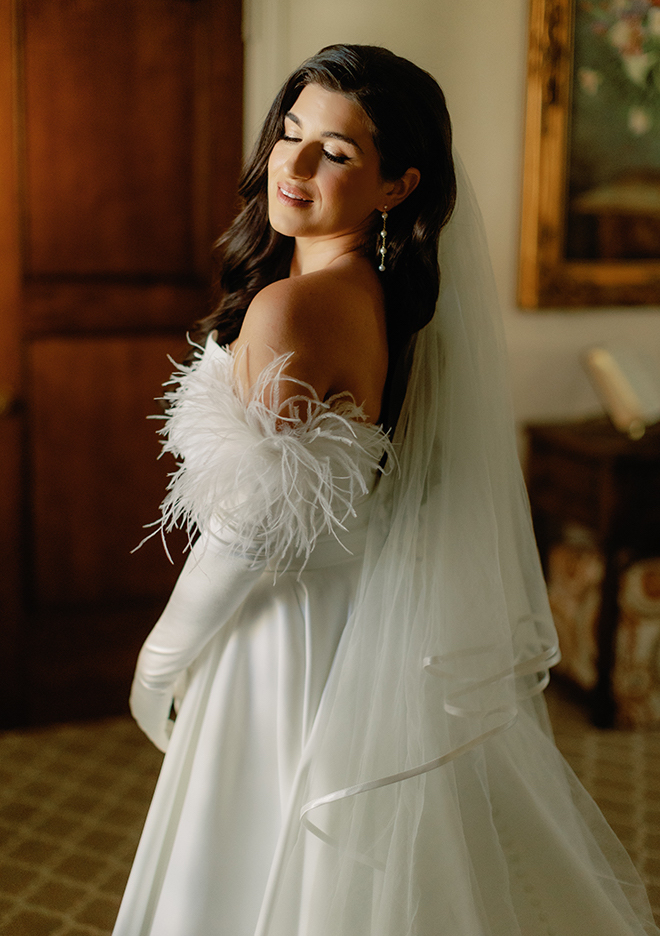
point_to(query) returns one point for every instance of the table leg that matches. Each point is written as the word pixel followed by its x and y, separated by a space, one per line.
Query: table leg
pixel 603 705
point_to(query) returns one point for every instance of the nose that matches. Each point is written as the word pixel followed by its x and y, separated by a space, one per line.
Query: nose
pixel 302 161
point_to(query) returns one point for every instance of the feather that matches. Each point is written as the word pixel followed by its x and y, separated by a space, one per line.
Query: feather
pixel 268 484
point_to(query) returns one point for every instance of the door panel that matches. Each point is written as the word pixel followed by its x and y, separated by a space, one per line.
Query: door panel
pixel 109 110
pixel 102 306
pixel 78 662
pixel 129 138
pixel 96 473
pixel 12 632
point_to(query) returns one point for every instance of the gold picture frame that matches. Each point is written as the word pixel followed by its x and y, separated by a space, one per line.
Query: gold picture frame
pixel 553 274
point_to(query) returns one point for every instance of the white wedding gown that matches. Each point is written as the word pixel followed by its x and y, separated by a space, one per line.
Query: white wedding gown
pixel 507 843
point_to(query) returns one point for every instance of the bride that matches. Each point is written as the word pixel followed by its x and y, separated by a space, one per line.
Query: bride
pixel 357 646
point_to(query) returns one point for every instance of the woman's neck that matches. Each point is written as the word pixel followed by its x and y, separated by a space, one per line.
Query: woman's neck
pixel 313 254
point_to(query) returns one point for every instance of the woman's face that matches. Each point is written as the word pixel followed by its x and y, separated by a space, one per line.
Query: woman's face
pixel 324 176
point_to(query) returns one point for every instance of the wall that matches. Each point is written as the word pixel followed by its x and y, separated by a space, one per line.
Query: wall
pixel 477 51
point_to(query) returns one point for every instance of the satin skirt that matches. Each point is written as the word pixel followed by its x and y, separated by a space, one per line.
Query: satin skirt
pixel 222 797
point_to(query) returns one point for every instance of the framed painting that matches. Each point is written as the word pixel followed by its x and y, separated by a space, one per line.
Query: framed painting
pixel 590 230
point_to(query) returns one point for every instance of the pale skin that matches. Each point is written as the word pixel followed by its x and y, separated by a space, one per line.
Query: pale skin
pixel 324 185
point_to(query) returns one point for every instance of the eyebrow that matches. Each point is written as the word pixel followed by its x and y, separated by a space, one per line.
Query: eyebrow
pixel 328 134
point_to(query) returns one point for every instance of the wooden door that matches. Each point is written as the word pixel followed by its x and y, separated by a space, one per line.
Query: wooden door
pixel 117 171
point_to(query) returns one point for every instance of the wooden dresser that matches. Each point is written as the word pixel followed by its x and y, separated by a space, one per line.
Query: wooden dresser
pixel 590 474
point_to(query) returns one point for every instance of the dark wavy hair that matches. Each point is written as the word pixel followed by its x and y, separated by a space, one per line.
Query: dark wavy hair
pixel 411 128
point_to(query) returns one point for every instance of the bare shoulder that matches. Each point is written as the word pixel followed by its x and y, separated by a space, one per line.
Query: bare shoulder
pixel 322 309
pixel 331 321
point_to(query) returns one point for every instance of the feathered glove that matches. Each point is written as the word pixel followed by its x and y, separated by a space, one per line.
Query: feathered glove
pixel 262 487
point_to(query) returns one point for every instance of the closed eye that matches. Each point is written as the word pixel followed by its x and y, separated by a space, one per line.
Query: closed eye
pixel 334 158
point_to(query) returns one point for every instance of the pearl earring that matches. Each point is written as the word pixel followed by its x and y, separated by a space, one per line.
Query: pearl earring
pixel 382 250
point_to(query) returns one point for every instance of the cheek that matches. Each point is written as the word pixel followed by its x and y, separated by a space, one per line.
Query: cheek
pixel 348 192
pixel 357 199
pixel 276 159
pixel 271 164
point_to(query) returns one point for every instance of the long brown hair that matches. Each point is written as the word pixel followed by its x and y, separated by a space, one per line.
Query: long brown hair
pixel 411 128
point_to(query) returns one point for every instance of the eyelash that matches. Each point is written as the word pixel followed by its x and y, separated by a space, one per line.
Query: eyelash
pixel 330 156
pixel 336 159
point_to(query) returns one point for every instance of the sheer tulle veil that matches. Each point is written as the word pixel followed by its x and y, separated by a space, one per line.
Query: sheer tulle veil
pixel 451 628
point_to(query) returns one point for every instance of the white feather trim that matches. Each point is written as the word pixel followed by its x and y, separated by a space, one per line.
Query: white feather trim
pixel 271 484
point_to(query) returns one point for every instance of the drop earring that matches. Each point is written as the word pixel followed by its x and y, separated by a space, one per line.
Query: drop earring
pixel 382 250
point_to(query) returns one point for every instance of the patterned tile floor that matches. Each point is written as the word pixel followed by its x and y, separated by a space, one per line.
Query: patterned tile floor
pixel 621 770
pixel 72 803
pixel 73 799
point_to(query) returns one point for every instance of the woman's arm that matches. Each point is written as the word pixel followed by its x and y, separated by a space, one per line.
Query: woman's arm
pixel 266 480
pixel 212 585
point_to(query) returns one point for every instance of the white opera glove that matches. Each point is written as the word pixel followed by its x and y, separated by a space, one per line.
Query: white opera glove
pixel 212 586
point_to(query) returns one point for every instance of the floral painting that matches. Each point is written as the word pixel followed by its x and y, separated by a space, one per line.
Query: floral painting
pixel 614 150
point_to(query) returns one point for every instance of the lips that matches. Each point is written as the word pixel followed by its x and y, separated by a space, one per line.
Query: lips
pixel 292 196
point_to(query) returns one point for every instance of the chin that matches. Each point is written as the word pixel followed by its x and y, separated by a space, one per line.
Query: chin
pixel 288 227
pixel 283 229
